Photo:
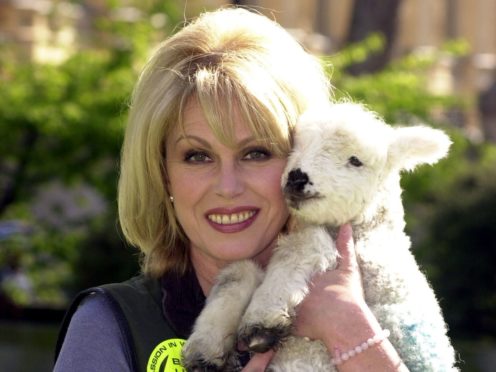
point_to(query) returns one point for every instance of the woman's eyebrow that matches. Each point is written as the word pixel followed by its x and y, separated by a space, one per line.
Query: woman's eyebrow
pixel 205 143
pixel 246 141
pixel 189 137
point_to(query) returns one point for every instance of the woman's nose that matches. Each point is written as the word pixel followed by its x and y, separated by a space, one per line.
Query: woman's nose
pixel 229 180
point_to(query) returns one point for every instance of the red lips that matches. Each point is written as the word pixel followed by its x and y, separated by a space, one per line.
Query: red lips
pixel 231 220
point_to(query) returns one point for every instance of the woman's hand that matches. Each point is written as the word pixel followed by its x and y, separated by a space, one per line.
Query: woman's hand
pixel 259 362
pixel 334 296
pixel 331 296
pixel 335 312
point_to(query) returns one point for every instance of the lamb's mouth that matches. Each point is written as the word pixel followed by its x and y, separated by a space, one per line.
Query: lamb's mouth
pixel 296 200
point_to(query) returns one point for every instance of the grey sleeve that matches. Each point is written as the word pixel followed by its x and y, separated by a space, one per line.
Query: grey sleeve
pixel 93 341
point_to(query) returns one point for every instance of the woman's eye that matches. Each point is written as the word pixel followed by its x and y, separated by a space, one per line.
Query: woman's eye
pixel 257 154
pixel 195 156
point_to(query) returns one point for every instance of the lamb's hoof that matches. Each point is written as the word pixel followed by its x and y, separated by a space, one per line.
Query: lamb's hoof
pixel 260 339
pixel 200 365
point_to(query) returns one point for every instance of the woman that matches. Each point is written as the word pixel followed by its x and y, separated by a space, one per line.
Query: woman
pixel 209 131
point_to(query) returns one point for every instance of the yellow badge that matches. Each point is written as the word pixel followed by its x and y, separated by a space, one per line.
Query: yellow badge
pixel 166 357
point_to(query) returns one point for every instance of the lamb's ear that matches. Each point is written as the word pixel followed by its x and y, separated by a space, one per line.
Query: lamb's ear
pixel 412 146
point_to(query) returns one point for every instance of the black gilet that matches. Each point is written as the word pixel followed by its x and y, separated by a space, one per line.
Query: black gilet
pixel 152 342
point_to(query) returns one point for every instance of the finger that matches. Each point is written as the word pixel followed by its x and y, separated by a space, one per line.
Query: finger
pixel 259 362
pixel 346 246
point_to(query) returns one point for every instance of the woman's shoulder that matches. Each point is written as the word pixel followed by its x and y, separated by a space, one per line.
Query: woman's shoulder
pixel 96 333
pixel 119 320
pixel 93 340
pixel 138 288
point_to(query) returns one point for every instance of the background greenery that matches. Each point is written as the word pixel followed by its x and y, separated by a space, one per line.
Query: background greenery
pixel 450 207
pixel 61 130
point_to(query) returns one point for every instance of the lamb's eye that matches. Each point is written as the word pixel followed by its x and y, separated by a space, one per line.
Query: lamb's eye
pixel 355 161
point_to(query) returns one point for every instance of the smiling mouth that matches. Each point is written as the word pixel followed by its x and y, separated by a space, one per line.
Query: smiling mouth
pixel 232 218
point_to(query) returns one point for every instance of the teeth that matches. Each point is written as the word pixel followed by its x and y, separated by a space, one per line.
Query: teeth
pixel 229 219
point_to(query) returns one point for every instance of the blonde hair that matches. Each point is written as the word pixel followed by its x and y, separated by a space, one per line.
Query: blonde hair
pixel 226 59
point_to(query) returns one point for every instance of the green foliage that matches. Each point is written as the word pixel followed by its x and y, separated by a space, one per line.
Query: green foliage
pixel 72 111
pixel 61 122
pixel 454 220
pixel 399 92
pixel 65 123
pixel 450 207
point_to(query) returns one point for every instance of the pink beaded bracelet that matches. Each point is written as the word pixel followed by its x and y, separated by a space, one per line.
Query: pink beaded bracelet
pixel 378 338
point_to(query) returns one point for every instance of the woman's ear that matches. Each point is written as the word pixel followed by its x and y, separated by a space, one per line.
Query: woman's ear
pixel 412 146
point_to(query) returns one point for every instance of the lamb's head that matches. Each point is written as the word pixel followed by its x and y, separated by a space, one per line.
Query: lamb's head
pixel 345 155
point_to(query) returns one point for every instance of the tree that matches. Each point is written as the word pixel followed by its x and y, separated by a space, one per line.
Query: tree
pixel 450 208
pixel 373 17
pixel 453 222
pixel 61 128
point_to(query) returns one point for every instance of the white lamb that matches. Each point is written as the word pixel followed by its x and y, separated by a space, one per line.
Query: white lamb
pixel 345 167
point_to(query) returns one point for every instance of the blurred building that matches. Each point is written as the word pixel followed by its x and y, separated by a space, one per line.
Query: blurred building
pixel 422 26
pixel 42 30
pixel 49 30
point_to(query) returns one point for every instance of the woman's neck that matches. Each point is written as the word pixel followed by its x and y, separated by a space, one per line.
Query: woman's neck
pixel 207 268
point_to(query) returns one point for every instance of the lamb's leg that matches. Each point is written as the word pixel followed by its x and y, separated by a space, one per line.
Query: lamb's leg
pixel 297 258
pixel 211 347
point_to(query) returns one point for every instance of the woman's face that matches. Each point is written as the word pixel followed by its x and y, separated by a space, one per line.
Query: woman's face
pixel 228 201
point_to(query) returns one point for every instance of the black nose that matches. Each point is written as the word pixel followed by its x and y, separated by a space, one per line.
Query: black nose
pixel 296 181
